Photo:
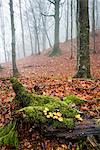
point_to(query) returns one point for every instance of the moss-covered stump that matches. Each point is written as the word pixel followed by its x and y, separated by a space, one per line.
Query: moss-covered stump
pixel 42 109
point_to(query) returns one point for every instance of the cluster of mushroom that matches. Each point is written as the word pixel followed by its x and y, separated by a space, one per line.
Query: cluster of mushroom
pixel 55 115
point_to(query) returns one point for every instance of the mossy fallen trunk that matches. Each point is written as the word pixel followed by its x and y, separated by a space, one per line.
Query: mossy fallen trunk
pixel 51 114
pixel 44 109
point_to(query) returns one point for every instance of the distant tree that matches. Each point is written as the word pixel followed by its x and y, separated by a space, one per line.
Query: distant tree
pixel 67 19
pixel 43 10
pixel 56 49
pixel 37 43
pixel 22 27
pixel 56 3
pixel 15 70
pixel 83 56
pixel 3 29
pixel 28 23
pixel 71 56
pixel 77 32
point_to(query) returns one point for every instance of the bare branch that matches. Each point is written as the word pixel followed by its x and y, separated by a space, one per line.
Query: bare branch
pixel 52 2
pixel 47 15
pixel 62 2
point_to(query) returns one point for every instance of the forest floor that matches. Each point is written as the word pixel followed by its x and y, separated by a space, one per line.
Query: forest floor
pixel 53 76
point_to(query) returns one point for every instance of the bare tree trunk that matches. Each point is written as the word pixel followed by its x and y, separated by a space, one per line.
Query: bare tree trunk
pixel 35 41
pixel 35 27
pixel 78 31
pixel 46 33
pixel 43 33
pixel 44 25
pixel 97 12
pixel 27 16
pixel 67 20
pixel 15 70
pixel 93 24
pixel 3 30
pixel 22 28
pixel 84 56
pixel 56 48
pixel 71 56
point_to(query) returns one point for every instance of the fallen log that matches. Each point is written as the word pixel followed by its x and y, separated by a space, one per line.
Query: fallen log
pixel 52 117
pixel 36 103
pixel 73 134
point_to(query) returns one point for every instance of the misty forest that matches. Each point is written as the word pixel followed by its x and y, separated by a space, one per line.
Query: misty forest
pixel 49 74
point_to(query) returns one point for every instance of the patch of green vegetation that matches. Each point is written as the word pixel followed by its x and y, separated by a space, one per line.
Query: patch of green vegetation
pixel 34 113
pixel 43 109
pixel 69 122
pixel 73 99
pixel 8 135
pixel 50 117
pixel 22 96
pixel 42 100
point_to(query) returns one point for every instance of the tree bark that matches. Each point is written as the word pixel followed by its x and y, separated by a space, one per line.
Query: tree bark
pixel 84 56
pixel 67 21
pixel 56 35
pixel 93 24
pixel 15 70
pixel 71 56
pixel 56 49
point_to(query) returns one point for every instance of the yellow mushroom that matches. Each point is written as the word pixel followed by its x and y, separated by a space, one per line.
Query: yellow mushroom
pixel 58 114
pixel 60 119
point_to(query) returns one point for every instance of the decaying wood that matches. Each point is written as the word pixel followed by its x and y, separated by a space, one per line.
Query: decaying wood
pixel 93 143
pixel 82 129
pixel 74 133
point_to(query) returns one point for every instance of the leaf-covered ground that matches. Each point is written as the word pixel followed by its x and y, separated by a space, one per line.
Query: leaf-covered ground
pixel 51 76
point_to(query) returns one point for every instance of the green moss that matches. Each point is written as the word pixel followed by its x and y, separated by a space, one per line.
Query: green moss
pixel 34 113
pixel 57 124
pixel 69 122
pixel 34 107
pixel 42 100
pixel 8 135
pixel 22 96
pixel 73 99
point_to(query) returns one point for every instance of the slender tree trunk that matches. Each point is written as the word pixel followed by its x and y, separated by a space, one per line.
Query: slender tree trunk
pixel 84 56
pixel 3 30
pixel 35 41
pixel 56 40
pixel 27 16
pixel 93 24
pixel 35 27
pixel 71 56
pixel 22 28
pixel 67 28
pixel 56 49
pixel 43 34
pixel 78 31
pixel 44 25
pixel 46 33
pixel 15 70
pixel 97 12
